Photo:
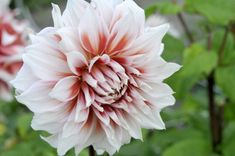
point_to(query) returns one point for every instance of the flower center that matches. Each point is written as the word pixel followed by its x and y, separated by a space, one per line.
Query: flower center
pixel 117 92
pixel 107 79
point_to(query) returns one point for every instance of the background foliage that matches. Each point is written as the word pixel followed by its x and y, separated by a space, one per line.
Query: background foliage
pixel 207 51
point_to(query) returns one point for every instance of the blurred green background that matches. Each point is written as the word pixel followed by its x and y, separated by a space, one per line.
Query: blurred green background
pixel 201 39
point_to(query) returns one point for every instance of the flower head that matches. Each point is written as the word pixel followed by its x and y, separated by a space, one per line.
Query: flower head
pixel 12 42
pixel 96 77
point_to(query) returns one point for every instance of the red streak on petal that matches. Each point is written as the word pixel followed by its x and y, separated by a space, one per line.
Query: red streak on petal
pixel 121 60
pixel 13 68
pixel 87 43
pixel 89 119
pixel 75 89
pixel 72 105
pixel 122 43
pixel 119 46
pixel 102 42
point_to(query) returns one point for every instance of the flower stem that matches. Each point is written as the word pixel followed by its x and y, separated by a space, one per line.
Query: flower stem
pixel 216 112
pixel 216 131
pixel 186 29
pixel 91 151
pixel 184 25
pixel 223 44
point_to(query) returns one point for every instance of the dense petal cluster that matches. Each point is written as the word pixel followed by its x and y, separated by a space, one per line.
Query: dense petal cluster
pixel 12 41
pixel 96 77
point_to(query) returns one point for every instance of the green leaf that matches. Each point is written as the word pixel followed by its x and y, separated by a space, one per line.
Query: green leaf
pixel 229 149
pixel 225 79
pixel 173 49
pixel 171 136
pixel 135 148
pixel 229 111
pixel 23 124
pixel 229 140
pixel 216 11
pixel 197 63
pixel 2 129
pixel 192 147
pixel 228 56
pixel 168 8
pixel 150 10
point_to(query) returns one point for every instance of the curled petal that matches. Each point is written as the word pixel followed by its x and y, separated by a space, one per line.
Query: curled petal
pixel 76 61
pixel 56 15
pixel 66 89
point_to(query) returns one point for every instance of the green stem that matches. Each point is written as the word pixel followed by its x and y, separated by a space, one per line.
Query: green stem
pixel 216 112
pixel 223 44
pixel 91 151
pixel 184 25
pixel 186 29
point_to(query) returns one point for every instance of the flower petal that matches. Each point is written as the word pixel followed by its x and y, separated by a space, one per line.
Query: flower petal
pixel 37 98
pixel 73 12
pixel 46 63
pixel 76 61
pixel 66 89
pixel 93 32
pixel 56 15
pixel 123 33
pixel 147 42
pixel 24 79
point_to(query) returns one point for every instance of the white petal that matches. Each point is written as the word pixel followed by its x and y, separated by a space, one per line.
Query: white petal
pixel 87 94
pixel 24 79
pixel 76 60
pixel 161 72
pixel 105 9
pixel 102 116
pixel 46 63
pixel 73 12
pixel 52 121
pixel 97 74
pixel 123 33
pixel 158 90
pixel 81 139
pixel 52 140
pixel 149 41
pixel 66 89
pixel 138 13
pixel 36 98
pixel 56 15
pixel 69 39
pixel 71 129
pixel 93 32
pixel 89 80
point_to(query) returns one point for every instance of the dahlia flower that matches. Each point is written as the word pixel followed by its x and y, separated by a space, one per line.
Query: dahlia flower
pixel 96 77
pixel 12 42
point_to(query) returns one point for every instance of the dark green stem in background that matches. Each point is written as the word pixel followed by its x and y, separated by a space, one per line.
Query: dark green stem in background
pixel 186 29
pixel 184 25
pixel 223 44
pixel 91 151
pixel 214 127
pixel 216 131
pixel 216 112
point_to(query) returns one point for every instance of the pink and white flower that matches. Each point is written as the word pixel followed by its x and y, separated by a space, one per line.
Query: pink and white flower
pixel 12 42
pixel 96 77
